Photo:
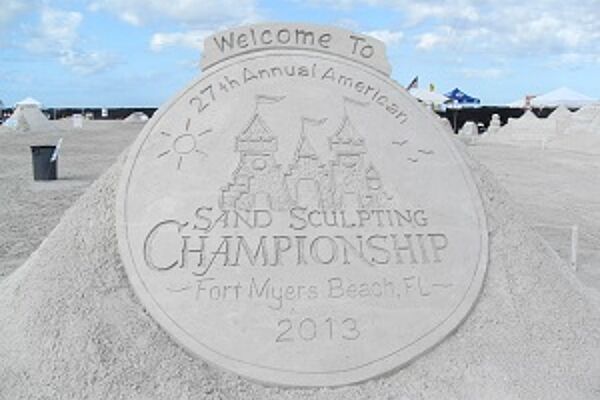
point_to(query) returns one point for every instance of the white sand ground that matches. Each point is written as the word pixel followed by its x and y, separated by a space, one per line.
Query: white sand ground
pixel 554 189
pixel 30 210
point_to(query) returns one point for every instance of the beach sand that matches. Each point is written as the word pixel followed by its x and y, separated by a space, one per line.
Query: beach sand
pixel 29 210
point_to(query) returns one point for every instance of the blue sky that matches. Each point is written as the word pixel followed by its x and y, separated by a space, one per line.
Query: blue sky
pixel 110 53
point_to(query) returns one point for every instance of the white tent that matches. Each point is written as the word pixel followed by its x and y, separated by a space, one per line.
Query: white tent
pixel 428 97
pixel 562 97
pixel 519 103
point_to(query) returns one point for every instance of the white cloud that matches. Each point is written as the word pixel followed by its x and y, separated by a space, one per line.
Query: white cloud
pixel 197 13
pixel 418 11
pixel 339 4
pixel 86 62
pixel 57 31
pixel 415 10
pixel 449 37
pixel 390 38
pixel 512 27
pixel 9 9
pixel 348 23
pixel 193 39
pixel 484 73
pixel 196 18
pixel 574 60
pixel 57 35
pixel 428 41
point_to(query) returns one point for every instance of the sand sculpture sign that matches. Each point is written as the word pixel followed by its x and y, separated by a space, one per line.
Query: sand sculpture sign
pixel 295 217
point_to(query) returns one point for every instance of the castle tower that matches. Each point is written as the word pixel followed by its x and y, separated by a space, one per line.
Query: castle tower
pixel 346 140
pixel 375 196
pixel 307 178
pixel 347 170
pixel 353 185
pixel 258 180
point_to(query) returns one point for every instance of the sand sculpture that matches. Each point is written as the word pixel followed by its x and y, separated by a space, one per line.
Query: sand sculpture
pixel 27 117
pixel 562 117
pixel 136 117
pixel 494 126
pixel 562 129
pixel 584 121
pixel 79 319
pixel 469 129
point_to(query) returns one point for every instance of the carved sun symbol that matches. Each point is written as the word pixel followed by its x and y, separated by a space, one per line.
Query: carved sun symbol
pixel 183 145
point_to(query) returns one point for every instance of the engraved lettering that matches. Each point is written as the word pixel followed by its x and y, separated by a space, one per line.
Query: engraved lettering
pixel 242 40
pixel 282 244
pixel 405 244
pixel 286 325
pixel 252 256
pixel 203 222
pixel 324 40
pixel 148 245
pixel 351 332
pixel 296 215
pixel 266 34
pixel 223 43
pixel 316 251
pixel 346 245
pixel 384 253
pixel 439 242
pixel 283 36
pixel 309 329
pixel 365 50
pixel 305 37
pixel 187 250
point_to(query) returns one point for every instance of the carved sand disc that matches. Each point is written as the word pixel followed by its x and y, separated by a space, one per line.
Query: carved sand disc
pixel 297 218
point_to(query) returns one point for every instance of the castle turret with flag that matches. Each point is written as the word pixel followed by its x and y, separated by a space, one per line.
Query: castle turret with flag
pixel 258 180
pixel 308 178
pixel 354 183
pixel 347 181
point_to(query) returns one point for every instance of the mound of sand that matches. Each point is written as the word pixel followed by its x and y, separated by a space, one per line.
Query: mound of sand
pixel 28 118
pixel 137 117
pixel 562 117
pixel 527 129
pixel 71 327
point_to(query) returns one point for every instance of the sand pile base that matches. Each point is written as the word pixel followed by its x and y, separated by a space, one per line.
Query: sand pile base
pixel 71 327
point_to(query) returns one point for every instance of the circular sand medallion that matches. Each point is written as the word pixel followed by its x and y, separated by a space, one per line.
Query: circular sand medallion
pixel 299 219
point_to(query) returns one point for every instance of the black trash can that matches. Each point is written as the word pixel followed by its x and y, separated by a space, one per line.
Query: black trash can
pixel 44 169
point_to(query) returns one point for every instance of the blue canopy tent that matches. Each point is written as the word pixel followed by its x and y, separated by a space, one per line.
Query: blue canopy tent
pixel 460 99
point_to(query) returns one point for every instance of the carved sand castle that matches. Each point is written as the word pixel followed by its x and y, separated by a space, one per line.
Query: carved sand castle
pixel 259 181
